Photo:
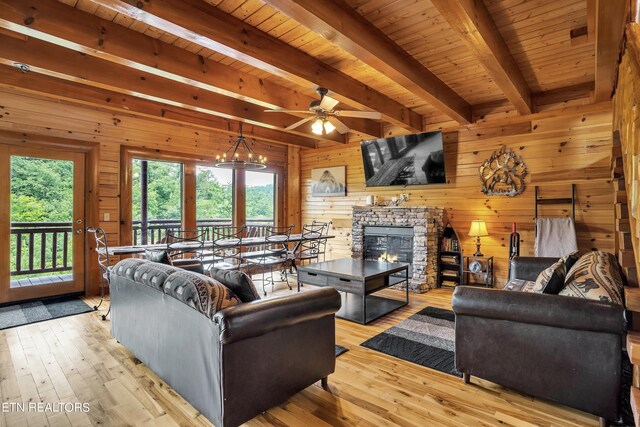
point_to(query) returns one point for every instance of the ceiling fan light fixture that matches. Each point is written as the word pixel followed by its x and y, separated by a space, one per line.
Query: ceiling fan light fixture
pixel 316 126
pixel 328 126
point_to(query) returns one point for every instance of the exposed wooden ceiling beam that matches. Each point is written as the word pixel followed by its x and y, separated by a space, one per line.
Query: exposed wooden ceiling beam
pixel 210 27
pixel 474 24
pixel 340 24
pixel 103 99
pixel 48 20
pixel 610 22
pixel 45 58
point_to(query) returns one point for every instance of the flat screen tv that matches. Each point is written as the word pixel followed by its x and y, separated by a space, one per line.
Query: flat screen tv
pixel 416 159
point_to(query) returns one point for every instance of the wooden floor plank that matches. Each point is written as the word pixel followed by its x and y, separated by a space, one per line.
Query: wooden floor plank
pixel 75 359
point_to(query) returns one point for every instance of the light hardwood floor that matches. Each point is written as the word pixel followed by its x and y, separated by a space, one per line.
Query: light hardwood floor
pixel 74 359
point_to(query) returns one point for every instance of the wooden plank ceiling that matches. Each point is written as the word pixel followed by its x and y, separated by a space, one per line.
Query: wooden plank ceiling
pixel 421 63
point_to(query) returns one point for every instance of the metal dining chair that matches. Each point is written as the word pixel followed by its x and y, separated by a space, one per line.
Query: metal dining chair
pixel 322 243
pixel 273 255
pixel 102 248
pixel 310 243
pixel 186 249
pixel 227 247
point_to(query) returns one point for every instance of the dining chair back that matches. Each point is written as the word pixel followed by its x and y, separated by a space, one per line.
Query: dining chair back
pixel 322 243
pixel 102 249
pixel 227 247
pixel 310 244
pixel 186 249
pixel 273 255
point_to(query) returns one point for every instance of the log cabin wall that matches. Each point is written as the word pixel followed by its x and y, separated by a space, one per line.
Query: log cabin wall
pixel 37 115
pixel 626 123
pixel 559 147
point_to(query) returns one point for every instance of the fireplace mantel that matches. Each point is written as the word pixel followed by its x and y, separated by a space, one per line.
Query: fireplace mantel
pixel 426 223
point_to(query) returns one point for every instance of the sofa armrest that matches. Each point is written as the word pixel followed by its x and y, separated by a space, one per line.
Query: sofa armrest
pixel 528 267
pixel 541 309
pixel 262 316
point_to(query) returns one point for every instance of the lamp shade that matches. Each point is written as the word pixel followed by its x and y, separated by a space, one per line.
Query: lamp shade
pixel 478 228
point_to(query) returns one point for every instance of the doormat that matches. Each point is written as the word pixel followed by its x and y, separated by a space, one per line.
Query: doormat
pixel 39 311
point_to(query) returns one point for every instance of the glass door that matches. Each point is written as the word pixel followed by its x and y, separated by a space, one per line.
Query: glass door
pixel 42 223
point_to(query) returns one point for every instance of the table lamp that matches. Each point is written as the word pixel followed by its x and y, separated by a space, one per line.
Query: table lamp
pixel 478 229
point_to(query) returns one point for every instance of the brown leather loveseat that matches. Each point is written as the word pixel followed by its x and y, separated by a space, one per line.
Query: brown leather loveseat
pixel 565 349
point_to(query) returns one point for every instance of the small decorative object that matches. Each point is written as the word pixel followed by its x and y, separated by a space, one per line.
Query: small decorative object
pixel 372 200
pixel 478 229
pixel 240 156
pixel 397 201
pixel 475 266
pixel 503 173
pixel 326 182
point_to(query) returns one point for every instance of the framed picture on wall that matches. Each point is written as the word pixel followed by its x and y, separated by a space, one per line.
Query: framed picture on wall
pixel 329 182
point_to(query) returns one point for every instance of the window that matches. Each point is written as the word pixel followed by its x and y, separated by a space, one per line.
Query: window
pixel 260 198
pixel 156 199
pixel 214 196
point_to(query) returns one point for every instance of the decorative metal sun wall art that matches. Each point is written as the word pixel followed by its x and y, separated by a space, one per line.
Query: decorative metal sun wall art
pixel 503 173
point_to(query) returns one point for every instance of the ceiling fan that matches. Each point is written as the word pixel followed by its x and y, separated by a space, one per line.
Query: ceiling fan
pixel 324 116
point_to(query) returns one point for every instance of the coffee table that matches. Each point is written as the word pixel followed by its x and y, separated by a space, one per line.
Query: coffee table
pixel 356 280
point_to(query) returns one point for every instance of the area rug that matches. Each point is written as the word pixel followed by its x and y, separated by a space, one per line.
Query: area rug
pixel 340 350
pixel 38 311
pixel 428 338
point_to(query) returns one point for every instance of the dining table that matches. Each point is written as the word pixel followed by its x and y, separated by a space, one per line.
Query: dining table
pixel 296 239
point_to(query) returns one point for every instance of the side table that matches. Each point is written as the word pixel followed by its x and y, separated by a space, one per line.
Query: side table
pixel 478 271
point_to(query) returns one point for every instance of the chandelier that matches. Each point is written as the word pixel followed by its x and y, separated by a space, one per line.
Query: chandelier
pixel 240 156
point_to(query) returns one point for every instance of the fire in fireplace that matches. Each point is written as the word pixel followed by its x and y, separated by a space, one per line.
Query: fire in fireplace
pixel 391 244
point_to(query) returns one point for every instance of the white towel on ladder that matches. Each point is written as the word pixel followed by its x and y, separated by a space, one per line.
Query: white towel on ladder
pixel 555 237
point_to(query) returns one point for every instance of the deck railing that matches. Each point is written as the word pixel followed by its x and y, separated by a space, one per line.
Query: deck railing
pixel 46 247
pixel 40 247
pixel 156 229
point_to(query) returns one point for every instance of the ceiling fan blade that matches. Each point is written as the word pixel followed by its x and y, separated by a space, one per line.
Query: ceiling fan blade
pixel 278 110
pixel 374 115
pixel 328 103
pixel 340 127
pixel 300 122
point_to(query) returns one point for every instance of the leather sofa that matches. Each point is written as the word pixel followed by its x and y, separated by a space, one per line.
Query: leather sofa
pixel 559 348
pixel 233 364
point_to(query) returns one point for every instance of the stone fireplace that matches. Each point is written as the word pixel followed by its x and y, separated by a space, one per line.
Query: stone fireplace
pixel 386 232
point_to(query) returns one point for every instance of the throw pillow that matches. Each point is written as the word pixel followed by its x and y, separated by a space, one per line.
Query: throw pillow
pixel 551 279
pixel 240 283
pixel 520 285
pixel 570 259
pixel 157 256
pixel 596 276
pixel 203 293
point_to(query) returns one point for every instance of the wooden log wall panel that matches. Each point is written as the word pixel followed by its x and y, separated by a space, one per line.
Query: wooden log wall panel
pixel 556 147
pixel 626 121
pixel 42 116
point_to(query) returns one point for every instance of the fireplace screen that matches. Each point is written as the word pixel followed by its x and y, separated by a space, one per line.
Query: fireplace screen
pixel 392 244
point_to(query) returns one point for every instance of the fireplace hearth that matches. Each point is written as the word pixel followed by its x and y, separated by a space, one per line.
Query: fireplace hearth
pixel 410 233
